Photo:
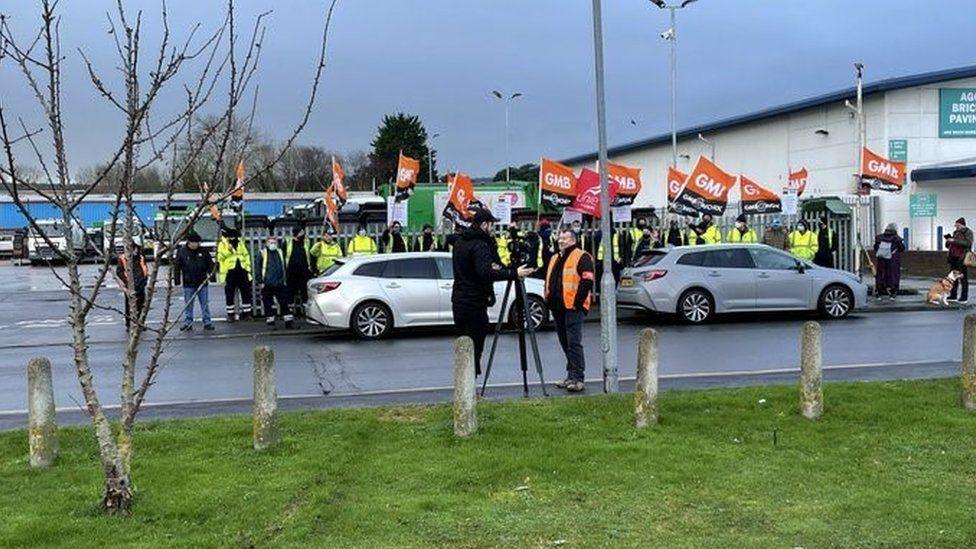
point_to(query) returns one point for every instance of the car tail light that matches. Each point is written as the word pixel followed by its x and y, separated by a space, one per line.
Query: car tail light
pixel 654 274
pixel 323 287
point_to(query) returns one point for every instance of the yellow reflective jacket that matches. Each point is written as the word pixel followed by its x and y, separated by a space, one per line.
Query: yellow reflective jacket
pixel 737 237
pixel 361 245
pixel 227 257
pixel 325 254
pixel 803 245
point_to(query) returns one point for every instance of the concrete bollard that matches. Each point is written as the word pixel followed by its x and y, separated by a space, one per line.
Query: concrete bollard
pixel 811 371
pixel 645 390
pixel 465 412
pixel 969 362
pixel 265 399
pixel 42 428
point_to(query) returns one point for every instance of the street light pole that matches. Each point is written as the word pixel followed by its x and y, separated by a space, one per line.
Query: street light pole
pixel 859 142
pixel 674 89
pixel 507 100
pixel 710 143
pixel 608 297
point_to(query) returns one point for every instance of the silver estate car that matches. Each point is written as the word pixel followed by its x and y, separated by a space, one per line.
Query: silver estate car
pixel 697 282
pixel 372 295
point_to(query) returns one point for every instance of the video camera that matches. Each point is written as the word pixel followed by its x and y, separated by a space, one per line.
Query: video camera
pixel 520 250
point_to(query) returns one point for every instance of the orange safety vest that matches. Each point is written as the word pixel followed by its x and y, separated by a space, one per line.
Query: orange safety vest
pixel 571 279
pixel 142 263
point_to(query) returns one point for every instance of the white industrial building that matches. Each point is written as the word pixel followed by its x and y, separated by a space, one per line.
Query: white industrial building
pixel 930 116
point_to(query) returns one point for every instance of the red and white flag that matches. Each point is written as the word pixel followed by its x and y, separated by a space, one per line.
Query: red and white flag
pixel 707 188
pixel 880 174
pixel 757 199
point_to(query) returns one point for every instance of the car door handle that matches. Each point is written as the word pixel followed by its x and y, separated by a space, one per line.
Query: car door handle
pixel 714 273
pixel 448 286
pixel 393 285
pixel 763 275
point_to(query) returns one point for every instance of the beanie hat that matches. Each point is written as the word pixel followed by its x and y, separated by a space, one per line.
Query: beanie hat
pixel 742 218
pixel 961 221
pixel 193 237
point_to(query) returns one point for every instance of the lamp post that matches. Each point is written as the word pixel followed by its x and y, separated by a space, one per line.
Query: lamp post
pixel 860 140
pixel 498 95
pixel 608 297
pixel 430 158
pixel 671 35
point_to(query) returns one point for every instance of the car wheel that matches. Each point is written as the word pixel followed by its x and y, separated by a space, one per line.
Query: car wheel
pixel 696 306
pixel 371 320
pixel 836 301
pixel 538 313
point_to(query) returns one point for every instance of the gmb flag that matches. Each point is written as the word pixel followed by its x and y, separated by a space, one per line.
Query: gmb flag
pixel 338 187
pixel 676 180
pixel 707 188
pixel 628 182
pixel 406 176
pixel 557 184
pixel 757 199
pixel 460 199
pixel 880 174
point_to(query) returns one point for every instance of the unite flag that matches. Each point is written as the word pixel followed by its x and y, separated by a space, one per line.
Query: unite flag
pixel 557 184
pixel 880 174
pixel 707 188
pixel 757 199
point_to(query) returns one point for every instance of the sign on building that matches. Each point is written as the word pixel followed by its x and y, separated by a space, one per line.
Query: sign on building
pixel 898 150
pixel 923 205
pixel 957 112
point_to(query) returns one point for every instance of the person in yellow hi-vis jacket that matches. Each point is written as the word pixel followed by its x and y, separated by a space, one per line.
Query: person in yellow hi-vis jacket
pixel 361 244
pixel 704 233
pixel 234 272
pixel 741 233
pixel 326 251
pixel 501 242
pixel 803 243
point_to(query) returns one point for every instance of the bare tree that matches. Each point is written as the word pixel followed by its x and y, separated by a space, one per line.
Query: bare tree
pixel 198 66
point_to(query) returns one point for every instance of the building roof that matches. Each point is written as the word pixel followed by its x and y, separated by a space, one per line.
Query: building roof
pixel 889 84
pixel 955 169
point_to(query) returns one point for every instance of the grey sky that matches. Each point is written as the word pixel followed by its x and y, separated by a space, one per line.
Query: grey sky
pixel 440 59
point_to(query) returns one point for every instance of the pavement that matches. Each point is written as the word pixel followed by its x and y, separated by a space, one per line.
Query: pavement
pixel 210 373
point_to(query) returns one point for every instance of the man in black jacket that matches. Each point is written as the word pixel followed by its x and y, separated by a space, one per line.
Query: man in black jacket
pixel 476 268
pixel 192 269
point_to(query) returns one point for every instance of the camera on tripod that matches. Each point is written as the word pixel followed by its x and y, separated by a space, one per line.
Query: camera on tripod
pixel 519 249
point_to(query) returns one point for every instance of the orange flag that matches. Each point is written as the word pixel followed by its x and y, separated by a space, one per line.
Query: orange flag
pixel 628 183
pixel 557 184
pixel 676 181
pixel 212 202
pixel 460 196
pixel 338 186
pixel 331 212
pixel 707 189
pixel 798 181
pixel 238 194
pixel 881 174
pixel 406 176
pixel 757 199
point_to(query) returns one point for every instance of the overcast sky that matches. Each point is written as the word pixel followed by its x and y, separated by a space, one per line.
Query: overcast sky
pixel 440 59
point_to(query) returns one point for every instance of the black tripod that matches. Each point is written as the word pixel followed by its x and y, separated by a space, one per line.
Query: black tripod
pixel 523 324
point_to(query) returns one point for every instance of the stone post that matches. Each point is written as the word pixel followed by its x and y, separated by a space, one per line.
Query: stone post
pixel 811 371
pixel 645 390
pixel 265 399
pixel 969 362
pixel 42 428
pixel 465 412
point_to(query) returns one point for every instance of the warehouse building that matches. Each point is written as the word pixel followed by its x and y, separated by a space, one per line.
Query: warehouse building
pixel 927 120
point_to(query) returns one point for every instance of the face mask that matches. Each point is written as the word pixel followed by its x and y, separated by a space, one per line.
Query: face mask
pixel 740 225
pixel 362 232
pixel 801 228
pixel 396 230
pixel 272 246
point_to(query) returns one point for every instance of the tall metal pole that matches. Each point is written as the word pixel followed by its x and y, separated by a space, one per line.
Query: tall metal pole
pixel 507 167
pixel 861 139
pixel 674 90
pixel 608 298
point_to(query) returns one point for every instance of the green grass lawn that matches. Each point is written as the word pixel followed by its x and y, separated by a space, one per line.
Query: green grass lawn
pixel 890 464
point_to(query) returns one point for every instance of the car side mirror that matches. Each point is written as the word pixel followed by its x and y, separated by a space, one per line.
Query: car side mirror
pixel 800 267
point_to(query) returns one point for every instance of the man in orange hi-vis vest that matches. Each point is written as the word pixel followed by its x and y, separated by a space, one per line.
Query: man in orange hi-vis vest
pixel 569 290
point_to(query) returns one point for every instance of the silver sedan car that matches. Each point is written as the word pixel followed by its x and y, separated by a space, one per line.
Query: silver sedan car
pixel 697 282
pixel 372 295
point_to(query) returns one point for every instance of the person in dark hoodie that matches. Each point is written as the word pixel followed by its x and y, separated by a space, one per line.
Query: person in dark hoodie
pixel 888 247
pixel 271 278
pixel 675 236
pixel 476 268
pixel 298 254
pixel 192 270
pixel 392 241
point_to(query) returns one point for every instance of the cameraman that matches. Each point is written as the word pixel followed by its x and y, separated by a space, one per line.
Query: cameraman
pixel 476 268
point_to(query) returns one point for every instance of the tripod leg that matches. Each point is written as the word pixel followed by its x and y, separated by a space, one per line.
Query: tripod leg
pixel 520 323
pixel 494 340
pixel 535 344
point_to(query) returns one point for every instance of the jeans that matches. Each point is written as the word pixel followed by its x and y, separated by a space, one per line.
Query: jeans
pixel 960 287
pixel 203 296
pixel 569 328
pixel 270 294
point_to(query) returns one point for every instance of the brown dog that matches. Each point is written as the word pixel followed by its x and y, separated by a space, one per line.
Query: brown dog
pixel 939 291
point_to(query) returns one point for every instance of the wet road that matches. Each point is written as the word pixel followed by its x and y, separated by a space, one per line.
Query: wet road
pixel 201 368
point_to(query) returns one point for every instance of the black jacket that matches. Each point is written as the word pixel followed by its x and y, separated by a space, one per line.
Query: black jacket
pixel 555 283
pixel 476 268
pixel 192 268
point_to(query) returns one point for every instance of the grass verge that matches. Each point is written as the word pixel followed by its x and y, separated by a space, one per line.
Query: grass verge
pixel 890 464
